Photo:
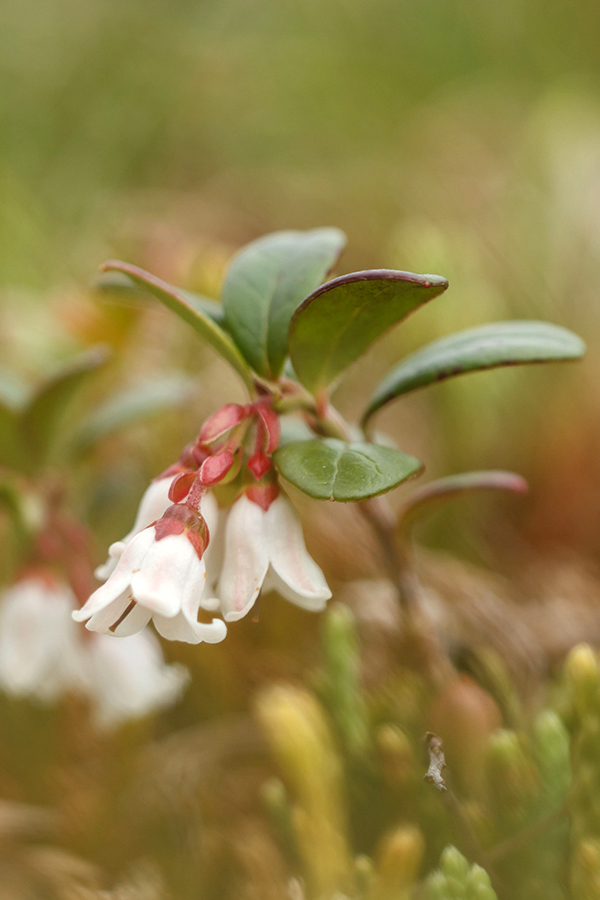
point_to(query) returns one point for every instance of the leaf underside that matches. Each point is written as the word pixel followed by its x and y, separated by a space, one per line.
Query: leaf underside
pixel 187 307
pixel 486 347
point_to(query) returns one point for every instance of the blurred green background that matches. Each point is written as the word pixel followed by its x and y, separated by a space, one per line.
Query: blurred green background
pixel 457 138
pixel 461 138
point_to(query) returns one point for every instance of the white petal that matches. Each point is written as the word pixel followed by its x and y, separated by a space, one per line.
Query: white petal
pixel 120 580
pixel 40 652
pixel 170 570
pixel 246 559
pixel 187 629
pixel 131 678
pixel 297 576
pixel 114 553
pixel 153 504
pixel 130 616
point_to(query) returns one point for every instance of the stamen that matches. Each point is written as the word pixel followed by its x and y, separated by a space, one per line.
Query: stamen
pixel 123 616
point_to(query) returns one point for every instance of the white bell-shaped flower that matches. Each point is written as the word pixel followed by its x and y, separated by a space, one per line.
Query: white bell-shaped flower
pixel 259 541
pixel 129 679
pixel 159 576
pixel 40 653
pixel 153 505
pixel 43 654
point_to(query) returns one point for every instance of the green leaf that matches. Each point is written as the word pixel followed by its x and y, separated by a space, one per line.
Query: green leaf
pixel 130 407
pixel 41 420
pixel 13 450
pixel 439 491
pixel 119 283
pixel 340 320
pixel 186 305
pixel 329 469
pixel 264 285
pixel 485 347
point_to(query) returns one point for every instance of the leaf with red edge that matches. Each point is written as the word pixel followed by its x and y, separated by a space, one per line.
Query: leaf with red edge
pixel 430 495
pixel 339 321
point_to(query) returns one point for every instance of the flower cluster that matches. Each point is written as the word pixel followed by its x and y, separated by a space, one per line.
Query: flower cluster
pixel 186 555
pixel 43 654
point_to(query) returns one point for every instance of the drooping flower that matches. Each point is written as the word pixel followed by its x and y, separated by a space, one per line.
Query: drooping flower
pixel 153 504
pixel 129 679
pixel 264 547
pixel 160 575
pixel 43 654
pixel 40 653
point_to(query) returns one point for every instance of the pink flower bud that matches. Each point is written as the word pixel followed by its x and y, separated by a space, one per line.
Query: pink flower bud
pixel 225 418
pixel 270 421
pixel 180 486
pixel 216 467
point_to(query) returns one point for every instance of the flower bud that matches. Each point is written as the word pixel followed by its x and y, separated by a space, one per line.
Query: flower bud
pixel 398 861
pixel 583 676
pixel 300 739
pixel 223 420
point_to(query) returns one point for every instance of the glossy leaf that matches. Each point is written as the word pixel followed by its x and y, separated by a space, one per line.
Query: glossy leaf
pixel 130 407
pixel 267 281
pixel 190 310
pixel 342 318
pixel 329 469
pixel 485 347
pixel 439 491
pixel 42 418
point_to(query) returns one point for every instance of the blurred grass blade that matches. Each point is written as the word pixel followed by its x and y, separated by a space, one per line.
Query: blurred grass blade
pixel 329 469
pixel 428 496
pixel 185 305
pixel 41 420
pixel 342 318
pixel 485 347
pixel 267 281
pixel 130 407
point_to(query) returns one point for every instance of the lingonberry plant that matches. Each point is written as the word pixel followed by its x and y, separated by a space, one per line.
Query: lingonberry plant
pixel 43 653
pixel 290 335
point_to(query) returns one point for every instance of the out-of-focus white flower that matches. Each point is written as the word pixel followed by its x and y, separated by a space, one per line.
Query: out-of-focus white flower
pixel 40 652
pixel 259 541
pixel 44 654
pixel 129 679
pixel 153 504
pixel 160 575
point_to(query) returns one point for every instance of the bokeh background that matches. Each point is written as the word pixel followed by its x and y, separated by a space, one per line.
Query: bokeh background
pixel 442 137
pixel 455 138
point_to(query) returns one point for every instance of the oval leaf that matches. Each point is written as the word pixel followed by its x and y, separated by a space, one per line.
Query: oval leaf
pixel 430 495
pixel 186 305
pixel 264 285
pixel 328 469
pixel 340 320
pixel 132 406
pixel 485 347
pixel 115 282
pixel 42 418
